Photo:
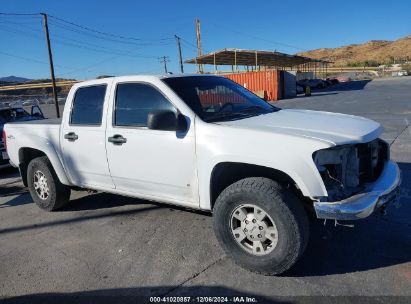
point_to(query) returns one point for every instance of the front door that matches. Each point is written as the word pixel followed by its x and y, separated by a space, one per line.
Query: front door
pixel 149 163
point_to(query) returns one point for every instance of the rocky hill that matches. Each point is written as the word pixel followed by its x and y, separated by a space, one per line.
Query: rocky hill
pixel 371 53
pixel 13 79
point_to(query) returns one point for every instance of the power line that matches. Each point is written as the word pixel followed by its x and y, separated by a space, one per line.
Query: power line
pixel 68 25
pixel 84 46
pixel 107 39
pixel 191 45
pixel 186 43
pixel 256 37
pixel 71 70
pixel 24 58
pixel 104 33
pixel 71 26
pixel 20 14
pixel 40 62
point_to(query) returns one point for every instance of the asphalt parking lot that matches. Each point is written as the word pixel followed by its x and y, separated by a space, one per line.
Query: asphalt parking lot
pixel 107 245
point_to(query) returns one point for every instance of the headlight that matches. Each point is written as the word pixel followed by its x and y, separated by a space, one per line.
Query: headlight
pixel 346 169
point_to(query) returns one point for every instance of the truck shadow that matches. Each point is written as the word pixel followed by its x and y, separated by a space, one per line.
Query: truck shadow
pixel 373 243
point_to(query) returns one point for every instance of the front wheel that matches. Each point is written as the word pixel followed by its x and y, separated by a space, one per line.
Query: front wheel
pixel 261 225
pixel 45 188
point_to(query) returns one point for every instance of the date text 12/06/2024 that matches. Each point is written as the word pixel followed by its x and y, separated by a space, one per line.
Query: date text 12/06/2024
pixel 204 299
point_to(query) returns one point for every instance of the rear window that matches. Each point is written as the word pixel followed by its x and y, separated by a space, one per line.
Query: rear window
pixel 88 106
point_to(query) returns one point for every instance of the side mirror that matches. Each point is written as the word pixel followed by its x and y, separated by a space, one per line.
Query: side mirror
pixel 166 120
pixel 36 111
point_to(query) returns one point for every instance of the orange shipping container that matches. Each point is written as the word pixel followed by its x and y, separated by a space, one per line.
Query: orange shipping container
pixel 262 81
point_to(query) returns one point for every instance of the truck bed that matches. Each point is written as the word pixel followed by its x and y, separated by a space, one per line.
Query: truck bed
pixel 51 121
pixel 37 134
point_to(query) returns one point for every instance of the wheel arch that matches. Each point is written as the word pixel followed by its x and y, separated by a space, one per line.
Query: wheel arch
pixel 219 181
pixel 27 154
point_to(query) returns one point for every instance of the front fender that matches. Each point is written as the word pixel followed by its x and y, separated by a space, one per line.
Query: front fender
pixel 288 154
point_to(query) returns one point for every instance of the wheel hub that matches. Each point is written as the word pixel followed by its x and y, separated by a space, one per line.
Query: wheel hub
pixel 41 185
pixel 253 229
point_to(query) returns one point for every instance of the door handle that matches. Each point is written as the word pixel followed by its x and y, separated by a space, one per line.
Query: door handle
pixel 71 136
pixel 117 139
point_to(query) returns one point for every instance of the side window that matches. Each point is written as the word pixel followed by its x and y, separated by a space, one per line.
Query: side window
pixel 134 101
pixel 87 106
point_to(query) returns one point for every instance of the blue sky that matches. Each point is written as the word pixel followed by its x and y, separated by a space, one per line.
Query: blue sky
pixel 286 26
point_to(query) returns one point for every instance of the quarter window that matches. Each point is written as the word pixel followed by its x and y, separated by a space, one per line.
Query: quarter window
pixel 134 101
pixel 88 106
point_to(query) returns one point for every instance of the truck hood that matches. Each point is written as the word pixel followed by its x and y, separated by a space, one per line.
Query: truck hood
pixel 333 128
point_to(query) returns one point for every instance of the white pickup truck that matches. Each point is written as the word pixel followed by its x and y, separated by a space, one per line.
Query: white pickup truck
pixel 205 142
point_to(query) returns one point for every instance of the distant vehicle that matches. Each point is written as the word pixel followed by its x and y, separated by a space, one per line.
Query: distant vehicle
pixel 30 103
pixel 15 114
pixel 332 80
pixel 206 142
pixel 343 79
pixel 61 100
pixel 400 73
pixel 312 83
pixel 5 104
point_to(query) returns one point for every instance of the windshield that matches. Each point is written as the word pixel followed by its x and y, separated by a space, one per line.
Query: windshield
pixel 217 98
pixel 9 115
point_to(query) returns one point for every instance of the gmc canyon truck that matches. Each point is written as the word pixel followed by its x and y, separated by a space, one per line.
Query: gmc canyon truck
pixel 205 142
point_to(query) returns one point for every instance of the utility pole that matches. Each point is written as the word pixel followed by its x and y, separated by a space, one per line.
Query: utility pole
pixel 164 59
pixel 199 50
pixel 179 54
pixel 53 79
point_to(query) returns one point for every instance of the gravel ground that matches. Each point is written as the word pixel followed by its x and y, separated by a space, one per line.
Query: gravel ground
pixel 126 249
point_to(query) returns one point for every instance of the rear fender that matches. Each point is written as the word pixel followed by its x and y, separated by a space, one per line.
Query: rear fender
pixel 45 146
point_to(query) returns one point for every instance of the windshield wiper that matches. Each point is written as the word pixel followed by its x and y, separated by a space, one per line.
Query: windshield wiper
pixel 226 115
pixel 258 108
pixel 246 112
pixel 252 108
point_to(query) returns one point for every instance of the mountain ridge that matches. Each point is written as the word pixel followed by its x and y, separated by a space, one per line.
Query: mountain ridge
pixel 14 79
pixel 373 52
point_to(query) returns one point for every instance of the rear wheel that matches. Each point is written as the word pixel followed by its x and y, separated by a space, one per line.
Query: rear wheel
pixel 45 188
pixel 261 225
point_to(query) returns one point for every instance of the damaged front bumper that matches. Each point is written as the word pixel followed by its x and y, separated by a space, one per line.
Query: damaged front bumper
pixel 383 191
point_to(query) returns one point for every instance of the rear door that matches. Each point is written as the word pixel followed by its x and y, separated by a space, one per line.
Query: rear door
pixel 83 135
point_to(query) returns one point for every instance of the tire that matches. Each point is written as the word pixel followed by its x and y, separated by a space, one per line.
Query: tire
pixel 281 206
pixel 41 176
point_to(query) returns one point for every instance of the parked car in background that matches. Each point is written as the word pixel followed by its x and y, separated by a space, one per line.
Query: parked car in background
pixel 30 102
pixel 15 114
pixel 400 73
pixel 313 83
pixel 300 89
pixel 343 79
pixel 332 80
